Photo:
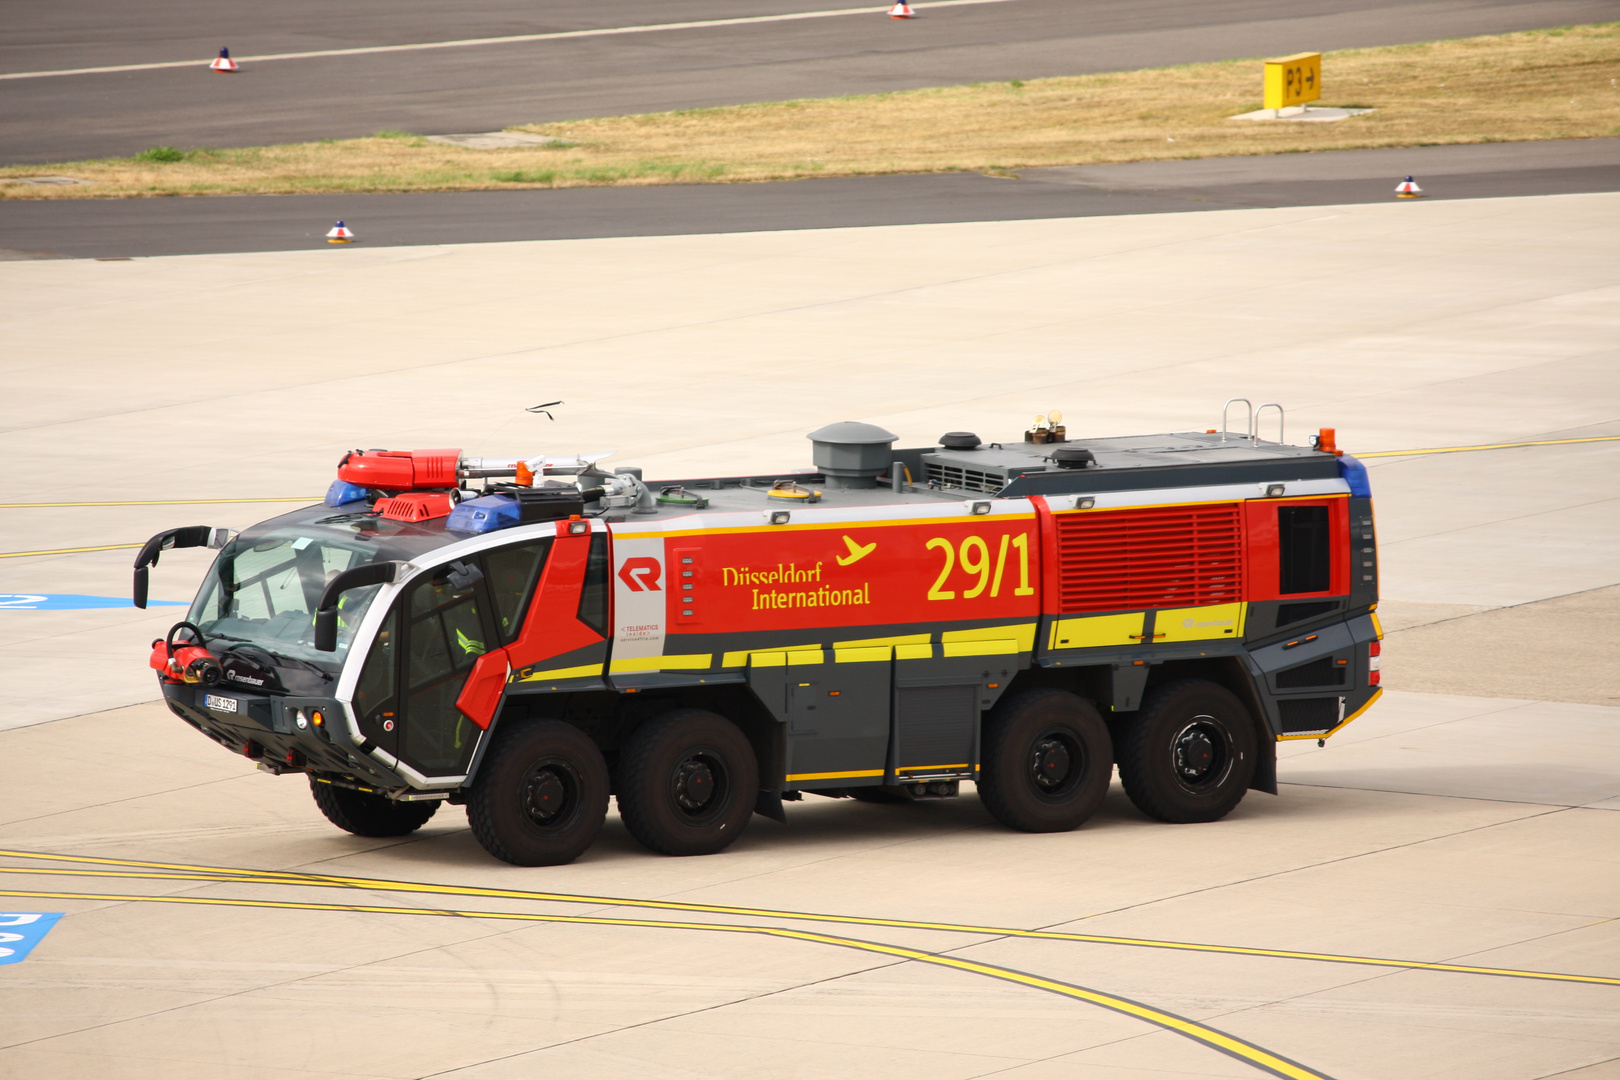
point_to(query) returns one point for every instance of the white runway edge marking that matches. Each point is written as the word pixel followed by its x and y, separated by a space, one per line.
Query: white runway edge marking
pixel 562 35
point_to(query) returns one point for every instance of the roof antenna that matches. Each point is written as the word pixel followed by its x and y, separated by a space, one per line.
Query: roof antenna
pixel 544 409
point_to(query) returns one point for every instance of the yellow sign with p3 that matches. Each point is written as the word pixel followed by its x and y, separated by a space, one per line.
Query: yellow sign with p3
pixel 1293 80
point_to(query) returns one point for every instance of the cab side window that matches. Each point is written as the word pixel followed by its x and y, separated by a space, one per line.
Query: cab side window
pixel 513 574
pixel 374 696
pixel 1303 549
pixel 593 597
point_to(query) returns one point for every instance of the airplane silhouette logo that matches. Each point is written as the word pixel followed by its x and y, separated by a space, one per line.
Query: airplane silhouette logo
pixel 857 552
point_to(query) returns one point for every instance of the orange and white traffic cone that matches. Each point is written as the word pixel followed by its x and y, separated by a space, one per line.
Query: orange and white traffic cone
pixel 902 10
pixel 340 234
pixel 1407 189
pixel 224 63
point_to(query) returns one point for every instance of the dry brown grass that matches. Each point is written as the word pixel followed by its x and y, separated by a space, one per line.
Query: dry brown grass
pixel 1546 84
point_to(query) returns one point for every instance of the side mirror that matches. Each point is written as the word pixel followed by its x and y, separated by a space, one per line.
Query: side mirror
pixel 192 536
pixel 326 612
pixel 326 628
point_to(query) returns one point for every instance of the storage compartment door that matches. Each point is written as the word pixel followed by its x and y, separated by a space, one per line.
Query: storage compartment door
pixel 838 716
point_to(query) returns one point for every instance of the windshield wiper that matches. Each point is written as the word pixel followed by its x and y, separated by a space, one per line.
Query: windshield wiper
pixel 322 672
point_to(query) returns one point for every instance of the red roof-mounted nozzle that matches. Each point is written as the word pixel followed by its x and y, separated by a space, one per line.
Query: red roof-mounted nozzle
pixel 401 470
pixel 1325 443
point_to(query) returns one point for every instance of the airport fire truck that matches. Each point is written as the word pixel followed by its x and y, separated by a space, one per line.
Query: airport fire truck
pixel 529 637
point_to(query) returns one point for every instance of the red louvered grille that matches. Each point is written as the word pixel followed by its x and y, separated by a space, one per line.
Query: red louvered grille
pixel 1131 560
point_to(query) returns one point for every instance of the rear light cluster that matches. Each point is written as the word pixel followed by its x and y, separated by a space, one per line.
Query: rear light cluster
pixel 1374 651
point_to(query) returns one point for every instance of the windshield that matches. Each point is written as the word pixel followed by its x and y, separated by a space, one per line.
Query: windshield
pixel 264 587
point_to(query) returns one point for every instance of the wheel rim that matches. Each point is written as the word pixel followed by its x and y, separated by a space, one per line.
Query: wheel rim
pixel 700 786
pixel 1056 764
pixel 551 794
pixel 1201 754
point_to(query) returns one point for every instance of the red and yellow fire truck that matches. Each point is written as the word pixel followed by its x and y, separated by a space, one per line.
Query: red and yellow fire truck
pixel 530 636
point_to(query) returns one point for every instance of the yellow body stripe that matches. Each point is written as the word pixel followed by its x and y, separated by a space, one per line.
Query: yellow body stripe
pixel 741 657
pixel 980 648
pixel 1219 1040
pixel 878 642
pixel 1021 634
pixel 835 775
pixel 581 671
pixel 688 662
pixel 189 872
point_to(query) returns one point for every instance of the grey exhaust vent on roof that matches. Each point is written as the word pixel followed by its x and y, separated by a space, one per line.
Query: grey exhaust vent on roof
pixel 959 440
pixel 851 454
pixel 1072 457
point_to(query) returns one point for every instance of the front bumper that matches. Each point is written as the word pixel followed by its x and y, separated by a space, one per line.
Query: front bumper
pixel 264 728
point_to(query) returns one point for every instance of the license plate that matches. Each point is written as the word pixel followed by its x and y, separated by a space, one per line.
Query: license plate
pixel 219 703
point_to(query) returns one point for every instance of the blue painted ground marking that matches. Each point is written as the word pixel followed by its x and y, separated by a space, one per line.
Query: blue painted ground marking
pixel 20 931
pixel 71 602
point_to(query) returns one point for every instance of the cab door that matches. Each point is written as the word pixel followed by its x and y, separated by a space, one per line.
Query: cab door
pixel 447 621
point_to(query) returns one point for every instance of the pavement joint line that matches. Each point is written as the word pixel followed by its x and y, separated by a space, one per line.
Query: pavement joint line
pixel 1337 860
pixel 185 872
pixel 1500 521
pixel 1554 806
pixel 1230 1045
pixel 209 1000
pixel 512 39
pixel 665 1019
pixel 1503 607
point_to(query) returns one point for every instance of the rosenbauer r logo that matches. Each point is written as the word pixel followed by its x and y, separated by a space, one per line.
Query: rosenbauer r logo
pixel 641 575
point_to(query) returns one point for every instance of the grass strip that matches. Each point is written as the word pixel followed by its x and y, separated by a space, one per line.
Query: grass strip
pixel 1562 83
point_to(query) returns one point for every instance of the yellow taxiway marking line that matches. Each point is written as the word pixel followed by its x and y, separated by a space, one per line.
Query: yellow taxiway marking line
pixel 1218 1040
pixel 156 502
pixel 512 39
pixel 184 872
pixel 65 551
pixel 1486 446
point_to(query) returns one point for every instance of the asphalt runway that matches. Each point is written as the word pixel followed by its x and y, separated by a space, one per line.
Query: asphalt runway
pixel 127 228
pixel 484 87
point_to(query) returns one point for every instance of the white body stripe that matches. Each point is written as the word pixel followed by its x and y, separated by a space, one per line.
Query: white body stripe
pixel 640 579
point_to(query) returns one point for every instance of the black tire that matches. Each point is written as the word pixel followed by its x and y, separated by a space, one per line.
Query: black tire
pixel 1189 753
pixel 369 815
pixel 541 795
pixel 1047 761
pixel 687 783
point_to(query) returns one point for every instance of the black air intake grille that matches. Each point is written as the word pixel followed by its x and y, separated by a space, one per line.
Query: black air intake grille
pixel 1323 672
pixel 1309 716
pixel 955 476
